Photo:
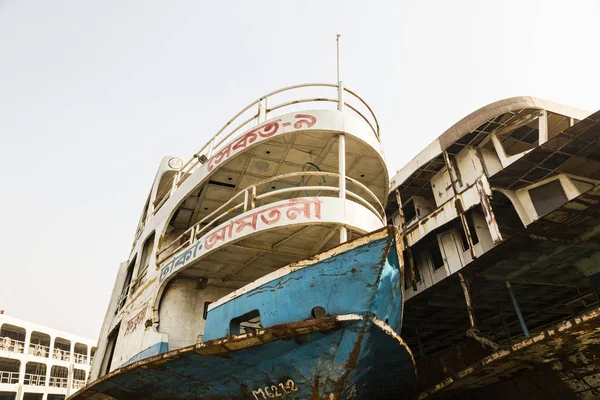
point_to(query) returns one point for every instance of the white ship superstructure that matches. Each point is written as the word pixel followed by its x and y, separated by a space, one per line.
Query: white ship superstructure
pixel 41 363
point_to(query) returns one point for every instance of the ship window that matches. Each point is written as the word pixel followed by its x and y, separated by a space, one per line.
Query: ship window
pixel 205 312
pixel 409 211
pixel 463 235
pixel 145 262
pixel 125 291
pixel 437 261
pixel 546 198
pixel 249 322
pixel 111 343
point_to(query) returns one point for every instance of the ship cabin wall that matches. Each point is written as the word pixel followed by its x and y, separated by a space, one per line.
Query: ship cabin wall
pixel 463 216
pixel 184 308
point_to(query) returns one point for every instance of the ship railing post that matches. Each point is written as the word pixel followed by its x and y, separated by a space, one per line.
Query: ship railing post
pixel 193 235
pixel 260 116
pixel 342 183
pixel 342 163
pixel 518 310
pixel 211 146
pixel 266 112
pixel 245 200
pixel 253 199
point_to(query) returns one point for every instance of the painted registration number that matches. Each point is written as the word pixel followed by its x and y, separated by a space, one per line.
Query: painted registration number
pixel 279 390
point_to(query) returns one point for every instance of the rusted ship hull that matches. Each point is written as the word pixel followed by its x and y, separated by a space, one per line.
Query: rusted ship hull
pixel 349 348
pixel 345 357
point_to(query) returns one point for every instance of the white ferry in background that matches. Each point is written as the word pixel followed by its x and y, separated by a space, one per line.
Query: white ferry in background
pixel 41 363
pixel 263 266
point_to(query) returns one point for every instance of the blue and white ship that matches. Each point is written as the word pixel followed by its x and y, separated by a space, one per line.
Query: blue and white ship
pixel 263 267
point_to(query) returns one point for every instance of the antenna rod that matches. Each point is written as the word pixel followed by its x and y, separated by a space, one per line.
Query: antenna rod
pixel 337 40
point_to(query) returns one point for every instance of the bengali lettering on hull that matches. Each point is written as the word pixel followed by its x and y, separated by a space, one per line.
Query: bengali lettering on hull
pixel 306 209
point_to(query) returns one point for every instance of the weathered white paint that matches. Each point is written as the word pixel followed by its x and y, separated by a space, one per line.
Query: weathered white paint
pixel 156 324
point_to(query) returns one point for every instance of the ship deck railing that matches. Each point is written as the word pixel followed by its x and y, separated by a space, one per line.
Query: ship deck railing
pixel 59 382
pixel 256 113
pixel 59 354
pixel 248 199
pixel 8 377
pixel 12 345
pixel 79 358
pixel 78 384
pixel 39 350
pixel 35 380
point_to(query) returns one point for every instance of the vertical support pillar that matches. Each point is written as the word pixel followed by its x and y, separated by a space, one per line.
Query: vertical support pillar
pixel 467 292
pixel 517 310
pixel 48 374
pixel 543 127
pixel 342 182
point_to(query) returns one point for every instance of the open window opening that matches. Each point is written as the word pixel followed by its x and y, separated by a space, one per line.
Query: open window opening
pixel 35 374
pixel 469 217
pixel 435 255
pixel 548 197
pixel 417 207
pixel 32 396
pixel 147 251
pixel 39 344
pixel 507 218
pixel 249 322
pixel 9 371
pixel 78 379
pixel 111 344
pixel 59 377
pixel 12 338
pixel 80 353
pixel 126 285
pixel 62 349
pixel 164 187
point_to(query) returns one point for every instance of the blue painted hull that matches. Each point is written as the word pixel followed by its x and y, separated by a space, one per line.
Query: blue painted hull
pixel 354 352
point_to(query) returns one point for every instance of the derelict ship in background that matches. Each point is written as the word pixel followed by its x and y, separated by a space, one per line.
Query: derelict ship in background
pixel 263 266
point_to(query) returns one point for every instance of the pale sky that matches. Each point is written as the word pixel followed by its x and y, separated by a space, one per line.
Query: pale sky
pixel 94 93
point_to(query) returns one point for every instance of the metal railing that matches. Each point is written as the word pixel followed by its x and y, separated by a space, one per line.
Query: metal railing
pixel 35 380
pixel 263 111
pixel 39 350
pixel 60 354
pixel 78 384
pixel 8 344
pixel 59 382
pixel 10 378
pixel 247 199
pixel 80 358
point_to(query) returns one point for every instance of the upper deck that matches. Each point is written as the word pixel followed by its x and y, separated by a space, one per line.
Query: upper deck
pixel 500 221
pixel 297 171
pixel 36 360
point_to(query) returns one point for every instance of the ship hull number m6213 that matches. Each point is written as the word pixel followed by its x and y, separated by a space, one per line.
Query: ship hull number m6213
pixel 279 390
